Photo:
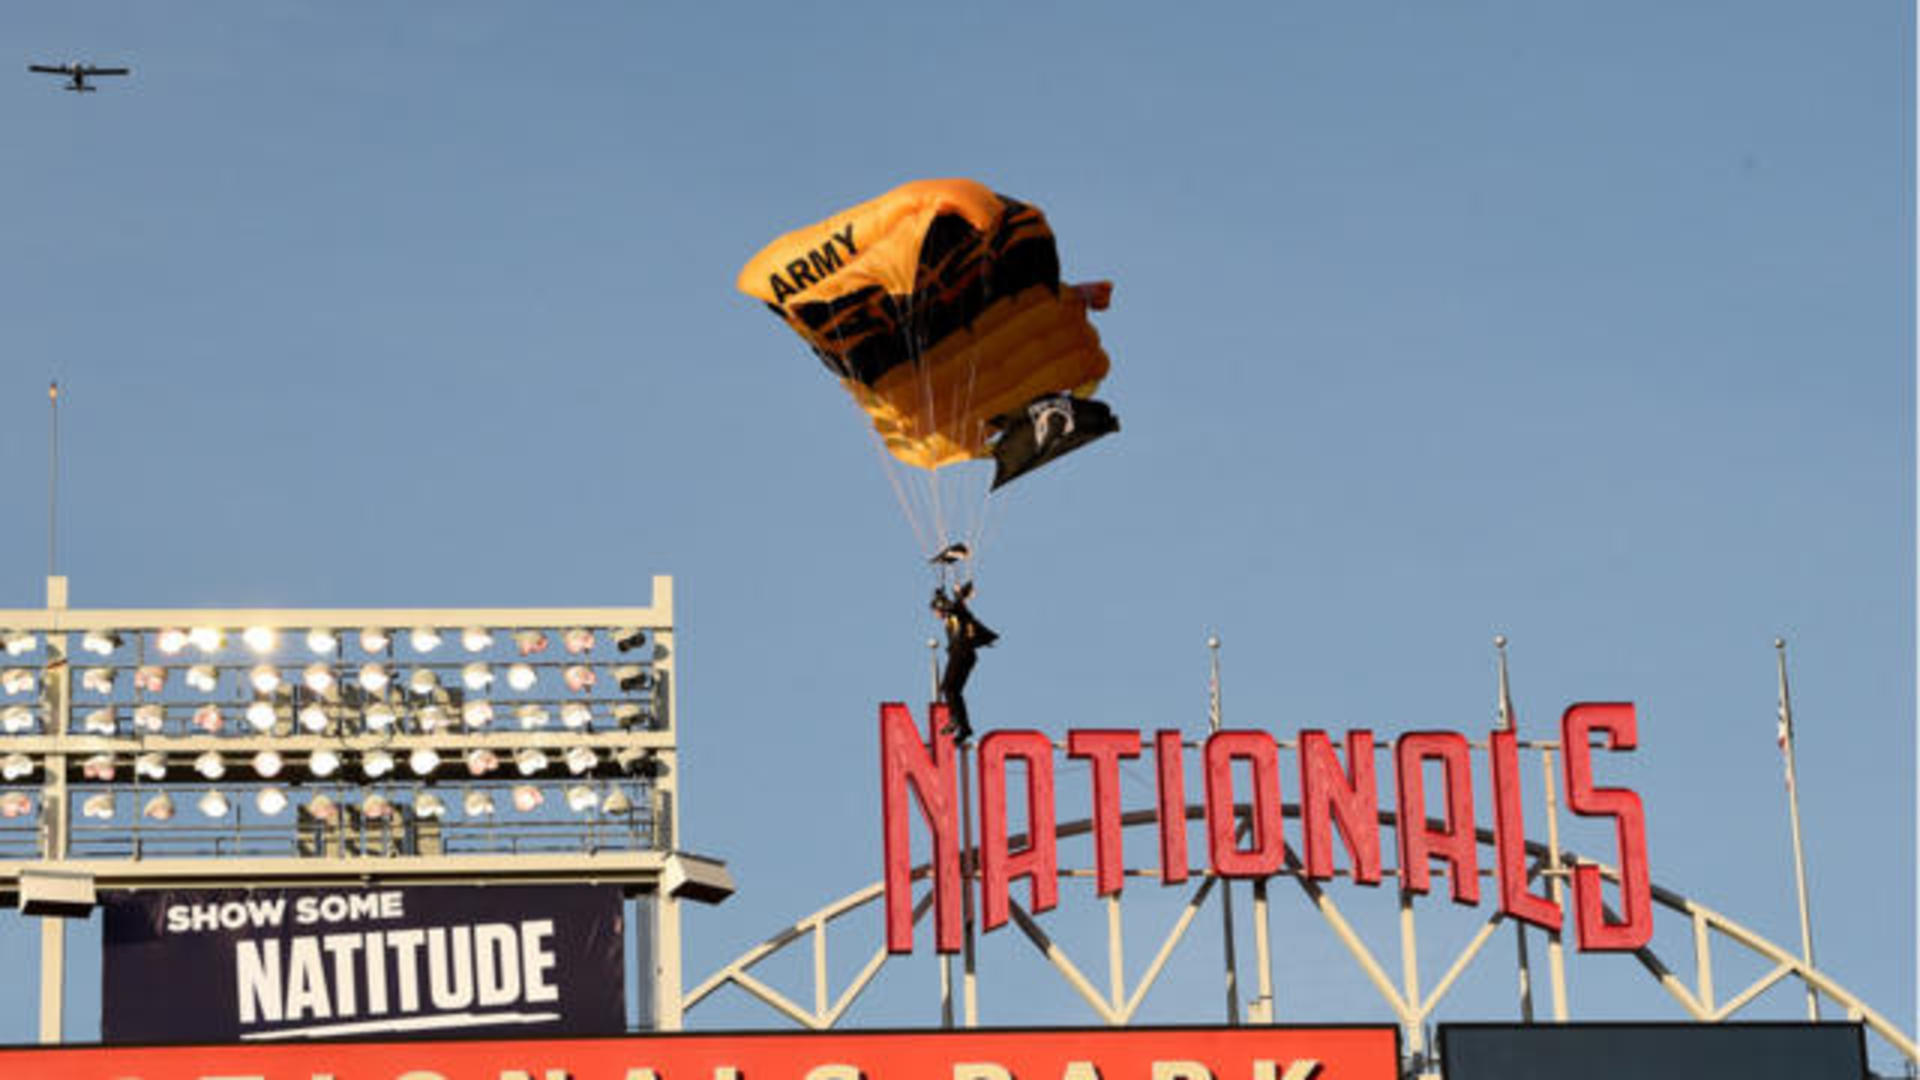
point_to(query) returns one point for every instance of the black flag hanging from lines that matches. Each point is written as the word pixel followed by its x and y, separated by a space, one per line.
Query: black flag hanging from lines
pixel 1047 428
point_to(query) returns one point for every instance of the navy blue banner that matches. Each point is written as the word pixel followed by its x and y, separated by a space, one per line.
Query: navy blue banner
pixel 237 965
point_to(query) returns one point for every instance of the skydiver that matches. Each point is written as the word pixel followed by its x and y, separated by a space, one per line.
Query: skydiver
pixel 965 635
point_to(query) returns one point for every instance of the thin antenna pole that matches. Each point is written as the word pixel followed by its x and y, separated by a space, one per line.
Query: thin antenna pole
pixel 53 471
pixel 1226 887
pixel 1793 815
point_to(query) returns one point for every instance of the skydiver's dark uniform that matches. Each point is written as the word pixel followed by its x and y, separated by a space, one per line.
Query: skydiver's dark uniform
pixel 965 634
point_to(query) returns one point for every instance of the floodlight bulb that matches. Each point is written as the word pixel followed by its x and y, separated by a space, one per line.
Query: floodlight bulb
pixel 98 806
pixel 424 639
pixel 97 679
pixel 265 678
pixel 477 804
pixel 16 719
pixel 322 808
pixel 581 799
pixel 152 765
pixel 377 764
pixel 101 722
pixel 322 641
pixel 423 682
pixel 529 642
pixel 214 804
pixel 529 760
pixel 16 766
pixel 578 640
pixel 268 763
pixel 318 678
pixel 313 718
pixel 260 639
pixel 208 719
pixel 16 804
pixel 373 640
pixel 481 761
pixel 323 763
pixel 380 717
pixel 531 717
pixel 210 766
pixel 159 808
pixel 98 767
pixel 476 676
pixel 271 801
pixel 431 718
pixel 521 677
pixel 16 680
pixel 373 678
pixel 428 805
pixel 206 638
pixel 260 716
pixel 376 807
pixel 527 798
pixel 581 759
pixel 149 719
pixel 151 678
pixel 100 642
pixel 576 714
pixel 171 640
pixel 203 677
pixel 580 678
pixel 423 761
pixel 477 714
pixel 19 642
pixel 617 803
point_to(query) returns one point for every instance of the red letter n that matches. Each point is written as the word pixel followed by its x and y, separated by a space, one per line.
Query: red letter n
pixel 905 765
pixel 1349 798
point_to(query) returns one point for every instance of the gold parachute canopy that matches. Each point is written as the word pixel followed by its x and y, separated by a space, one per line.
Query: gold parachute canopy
pixel 939 305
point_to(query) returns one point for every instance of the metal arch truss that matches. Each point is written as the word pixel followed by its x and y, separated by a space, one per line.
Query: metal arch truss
pixel 1411 1003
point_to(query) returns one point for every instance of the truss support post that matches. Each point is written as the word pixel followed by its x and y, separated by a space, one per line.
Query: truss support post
pixel 1556 876
pixel 1262 1010
pixel 1526 971
pixel 56 840
pixel 1410 977
pixel 969 875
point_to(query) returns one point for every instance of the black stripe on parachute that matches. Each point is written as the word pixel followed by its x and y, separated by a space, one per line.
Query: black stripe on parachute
pixel 962 272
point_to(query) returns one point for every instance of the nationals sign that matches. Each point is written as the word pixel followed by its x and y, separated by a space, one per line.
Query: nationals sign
pixel 1243 1053
pixel 1333 795
pixel 271 964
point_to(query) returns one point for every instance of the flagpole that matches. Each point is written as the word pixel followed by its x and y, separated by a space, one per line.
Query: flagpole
pixel 1226 890
pixel 53 471
pixel 1503 721
pixel 1793 816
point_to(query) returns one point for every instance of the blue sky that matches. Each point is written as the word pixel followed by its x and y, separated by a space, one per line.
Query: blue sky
pixel 1590 327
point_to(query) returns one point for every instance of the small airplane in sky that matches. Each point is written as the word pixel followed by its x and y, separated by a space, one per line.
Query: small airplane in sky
pixel 77 74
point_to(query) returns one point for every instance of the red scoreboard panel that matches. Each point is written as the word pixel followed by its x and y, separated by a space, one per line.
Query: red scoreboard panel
pixel 1184 1053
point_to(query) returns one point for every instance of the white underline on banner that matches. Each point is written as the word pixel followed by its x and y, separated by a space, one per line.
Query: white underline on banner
pixel 410 1023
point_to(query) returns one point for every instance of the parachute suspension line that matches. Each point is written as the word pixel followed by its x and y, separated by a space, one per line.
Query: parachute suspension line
pixel 928 421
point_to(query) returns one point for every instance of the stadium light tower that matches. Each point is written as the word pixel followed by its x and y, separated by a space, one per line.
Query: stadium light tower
pixel 228 748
